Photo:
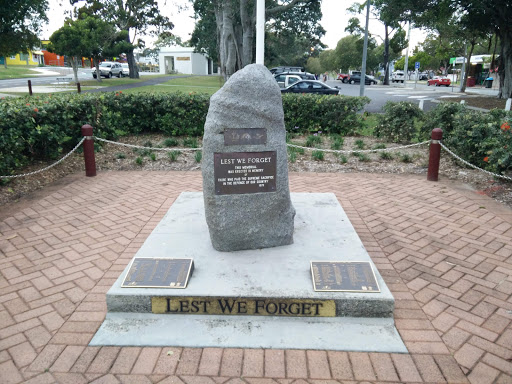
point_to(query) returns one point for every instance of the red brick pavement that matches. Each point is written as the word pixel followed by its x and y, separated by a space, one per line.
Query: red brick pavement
pixel 445 253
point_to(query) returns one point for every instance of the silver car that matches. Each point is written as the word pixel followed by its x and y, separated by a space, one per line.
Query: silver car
pixel 109 69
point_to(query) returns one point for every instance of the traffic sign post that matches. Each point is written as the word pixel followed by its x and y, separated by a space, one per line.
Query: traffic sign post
pixel 416 67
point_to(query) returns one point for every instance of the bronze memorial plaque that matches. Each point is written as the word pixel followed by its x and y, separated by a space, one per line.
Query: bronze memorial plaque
pixel 243 306
pixel 350 276
pixel 245 136
pixel 155 272
pixel 244 172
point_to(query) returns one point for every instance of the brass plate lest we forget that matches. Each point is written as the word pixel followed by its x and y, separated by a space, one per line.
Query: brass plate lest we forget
pixel 158 272
pixel 349 276
pixel 243 306
pixel 244 172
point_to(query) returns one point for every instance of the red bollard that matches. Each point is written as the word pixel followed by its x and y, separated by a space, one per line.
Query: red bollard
pixel 30 87
pixel 435 155
pixel 90 162
pixel 78 88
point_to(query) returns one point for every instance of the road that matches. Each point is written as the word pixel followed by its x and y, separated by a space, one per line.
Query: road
pixel 379 94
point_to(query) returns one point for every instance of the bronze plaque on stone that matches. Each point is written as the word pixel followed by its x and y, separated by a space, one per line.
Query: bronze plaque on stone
pixel 245 136
pixel 154 272
pixel 244 172
pixel 243 306
pixel 349 276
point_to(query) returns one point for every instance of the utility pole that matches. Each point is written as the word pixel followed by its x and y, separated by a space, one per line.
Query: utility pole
pixel 260 32
pixel 365 51
pixel 463 70
pixel 406 65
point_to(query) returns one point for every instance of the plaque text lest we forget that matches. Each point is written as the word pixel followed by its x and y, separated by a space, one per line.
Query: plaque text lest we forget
pixel 244 172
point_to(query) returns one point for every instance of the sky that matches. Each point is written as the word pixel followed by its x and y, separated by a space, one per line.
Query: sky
pixel 334 20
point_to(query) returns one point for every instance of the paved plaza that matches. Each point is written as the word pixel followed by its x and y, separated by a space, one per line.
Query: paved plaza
pixel 444 251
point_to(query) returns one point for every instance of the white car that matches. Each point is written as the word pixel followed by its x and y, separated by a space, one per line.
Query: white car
pixel 398 77
pixel 109 69
pixel 125 69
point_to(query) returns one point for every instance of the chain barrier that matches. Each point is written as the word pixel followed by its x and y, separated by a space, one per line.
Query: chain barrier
pixel 359 151
pixel 150 148
pixel 471 165
pixel 48 167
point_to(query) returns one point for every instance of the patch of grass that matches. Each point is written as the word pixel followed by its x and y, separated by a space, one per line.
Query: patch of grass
pixel 312 140
pixel 361 156
pixel 343 159
pixel 15 72
pixel 370 122
pixel 337 143
pixel 173 155
pixel 190 142
pixel 360 144
pixel 116 81
pixel 191 84
pixel 152 156
pixel 379 146
pixel 138 160
pixel 318 155
pixel 295 150
pixel 386 156
pixel 198 156
pixel 120 155
pixel 292 156
pixel 171 142
pixel 405 157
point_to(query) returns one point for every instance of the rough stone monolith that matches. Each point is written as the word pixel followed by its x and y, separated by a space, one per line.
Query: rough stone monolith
pixel 245 169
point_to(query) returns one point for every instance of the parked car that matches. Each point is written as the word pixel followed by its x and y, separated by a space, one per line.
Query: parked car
pixel 109 69
pixel 288 78
pixel 369 80
pixel 277 70
pixel 438 81
pixel 397 77
pixel 343 77
pixel 422 76
pixel 125 69
pixel 311 86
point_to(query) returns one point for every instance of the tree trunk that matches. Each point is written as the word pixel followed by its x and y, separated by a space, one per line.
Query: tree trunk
pixel 466 70
pixel 506 66
pixel 96 63
pixel 386 55
pixel 248 29
pixel 134 71
pixel 228 50
pixel 74 65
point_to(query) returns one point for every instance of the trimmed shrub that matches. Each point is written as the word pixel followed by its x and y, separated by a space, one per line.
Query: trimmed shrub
pixel 399 121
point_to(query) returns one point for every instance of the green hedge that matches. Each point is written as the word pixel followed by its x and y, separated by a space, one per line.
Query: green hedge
pixel 482 138
pixel 45 127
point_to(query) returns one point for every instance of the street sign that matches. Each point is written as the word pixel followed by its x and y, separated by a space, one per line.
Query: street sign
pixel 417 65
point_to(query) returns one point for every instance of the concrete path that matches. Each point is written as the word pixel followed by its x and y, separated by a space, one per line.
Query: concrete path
pixel 444 251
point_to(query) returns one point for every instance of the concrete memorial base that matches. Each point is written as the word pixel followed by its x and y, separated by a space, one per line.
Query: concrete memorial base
pixel 362 321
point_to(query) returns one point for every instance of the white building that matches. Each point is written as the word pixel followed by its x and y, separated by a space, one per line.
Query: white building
pixel 184 60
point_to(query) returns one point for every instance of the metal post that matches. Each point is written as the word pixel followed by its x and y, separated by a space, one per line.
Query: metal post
pixel 30 88
pixel 362 83
pixel 507 104
pixel 406 65
pixel 435 154
pixel 463 70
pixel 78 88
pixel 90 162
pixel 260 32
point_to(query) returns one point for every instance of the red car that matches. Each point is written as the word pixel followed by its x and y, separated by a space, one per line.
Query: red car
pixel 438 81
pixel 343 77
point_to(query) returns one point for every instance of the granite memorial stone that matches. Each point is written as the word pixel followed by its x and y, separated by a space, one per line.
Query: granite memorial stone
pixel 245 168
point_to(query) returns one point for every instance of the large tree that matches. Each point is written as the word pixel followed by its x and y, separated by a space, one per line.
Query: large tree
pixel 88 36
pixel 391 15
pixel 137 17
pixel 233 38
pixel 20 22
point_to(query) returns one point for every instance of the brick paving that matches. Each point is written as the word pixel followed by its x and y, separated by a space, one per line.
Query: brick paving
pixel 444 251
